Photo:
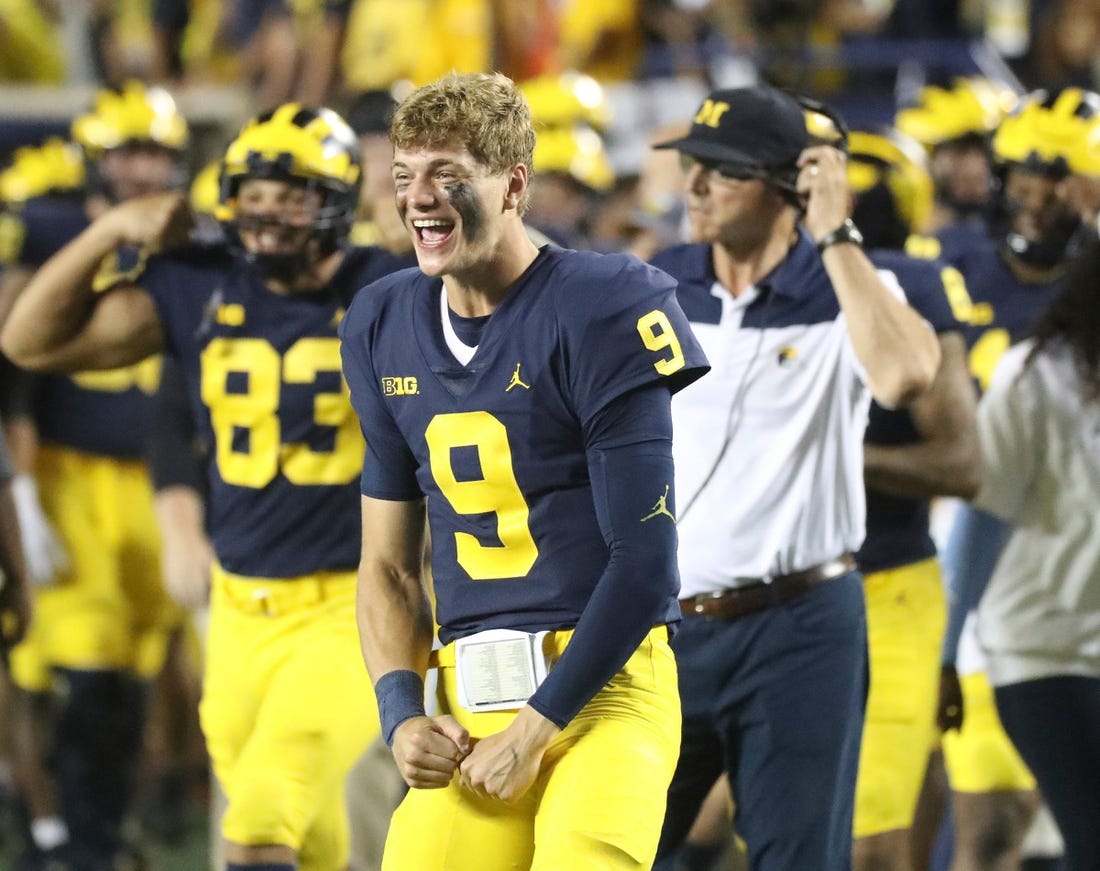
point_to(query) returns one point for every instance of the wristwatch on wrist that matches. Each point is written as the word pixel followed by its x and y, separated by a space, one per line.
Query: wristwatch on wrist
pixel 846 232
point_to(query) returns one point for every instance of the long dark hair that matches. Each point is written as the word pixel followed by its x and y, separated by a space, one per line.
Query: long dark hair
pixel 1074 318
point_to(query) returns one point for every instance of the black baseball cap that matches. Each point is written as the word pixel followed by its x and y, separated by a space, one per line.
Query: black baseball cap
pixel 759 127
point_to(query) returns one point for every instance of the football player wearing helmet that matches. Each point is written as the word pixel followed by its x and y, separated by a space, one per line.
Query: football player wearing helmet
pixel 103 615
pixel 573 172
pixel 1011 280
pixel 954 123
pixel 911 454
pixel 287 707
pixel 1081 187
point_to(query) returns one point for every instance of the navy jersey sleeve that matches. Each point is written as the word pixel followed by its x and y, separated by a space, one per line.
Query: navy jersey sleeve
pixel 629 331
pixel 181 295
pixel 42 227
pixel 389 467
pixel 928 285
pixel 173 453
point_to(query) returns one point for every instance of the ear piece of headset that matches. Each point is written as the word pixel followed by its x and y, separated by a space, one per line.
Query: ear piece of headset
pixel 837 136
pixel 787 182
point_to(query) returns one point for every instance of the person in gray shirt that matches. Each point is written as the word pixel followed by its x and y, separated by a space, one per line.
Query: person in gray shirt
pixel 1039 619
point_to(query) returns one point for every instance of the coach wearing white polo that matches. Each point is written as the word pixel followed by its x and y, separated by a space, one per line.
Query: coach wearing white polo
pixel 801 331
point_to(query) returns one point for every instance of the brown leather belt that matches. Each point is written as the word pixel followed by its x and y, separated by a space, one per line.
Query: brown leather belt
pixel 763 594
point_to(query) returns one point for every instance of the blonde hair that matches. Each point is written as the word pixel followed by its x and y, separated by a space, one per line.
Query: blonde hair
pixel 484 112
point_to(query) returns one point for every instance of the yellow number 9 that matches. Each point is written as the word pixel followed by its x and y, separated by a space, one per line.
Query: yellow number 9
pixel 495 492
pixel 658 341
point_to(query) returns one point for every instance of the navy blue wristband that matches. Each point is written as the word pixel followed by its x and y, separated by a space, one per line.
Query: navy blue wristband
pixel 400 696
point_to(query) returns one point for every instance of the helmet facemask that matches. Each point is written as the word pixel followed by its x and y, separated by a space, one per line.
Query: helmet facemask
pixel 314 155
pixel 320 220
pixel 1040 241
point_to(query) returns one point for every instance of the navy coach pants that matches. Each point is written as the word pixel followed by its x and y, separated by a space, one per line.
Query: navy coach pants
pixel 776 699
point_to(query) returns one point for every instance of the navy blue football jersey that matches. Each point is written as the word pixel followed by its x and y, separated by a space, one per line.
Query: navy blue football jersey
pixel 897 527
pixel 41 227
pixel 1004 309
pixel 498 445
pixel 950 242
pixel 102 413
pixel 263 376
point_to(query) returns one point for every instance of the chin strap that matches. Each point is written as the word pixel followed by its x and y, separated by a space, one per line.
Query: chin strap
pixel 287 267
pixel 281 267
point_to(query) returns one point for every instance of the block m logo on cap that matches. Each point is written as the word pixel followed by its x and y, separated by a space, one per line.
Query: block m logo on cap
pixel 711 112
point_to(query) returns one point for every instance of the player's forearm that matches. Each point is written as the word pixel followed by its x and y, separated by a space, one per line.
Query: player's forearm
pixel 394 619
pixel 58 301
pixel 920 471
pixel 947 460
pixel 180 513
pixel 22 436
pixel 12 568
pixel 898 350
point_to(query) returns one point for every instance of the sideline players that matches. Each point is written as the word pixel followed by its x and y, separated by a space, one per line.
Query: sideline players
pixel 103 619
pixel 1011 278
pixel 287 707
pixel 910 455
pixel 955 124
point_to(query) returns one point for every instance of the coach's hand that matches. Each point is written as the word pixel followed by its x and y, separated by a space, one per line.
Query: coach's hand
pixel 428 750
pixel 823 183
pixel 506 764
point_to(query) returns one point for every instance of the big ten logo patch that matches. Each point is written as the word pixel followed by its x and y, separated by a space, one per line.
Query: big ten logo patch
pixel 394 386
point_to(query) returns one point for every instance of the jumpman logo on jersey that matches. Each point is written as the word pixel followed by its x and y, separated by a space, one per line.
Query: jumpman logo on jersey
pixel 660 507
pixel 515 382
